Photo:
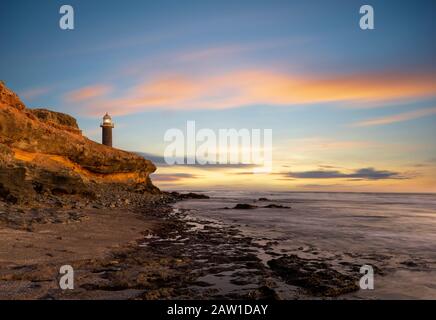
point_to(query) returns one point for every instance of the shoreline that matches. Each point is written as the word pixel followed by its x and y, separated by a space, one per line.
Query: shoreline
pixel 131 254
pixel 163 249
pixel 150 252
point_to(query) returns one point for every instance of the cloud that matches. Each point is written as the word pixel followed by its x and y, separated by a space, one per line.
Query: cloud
pixel 226 50
pixel 324 186
pixel 33 93
pixel 242 173
pixel 239 88
pixel 427 163
pixel 88 93
pixel 396 118
pixel 326 166
pixel 214 52
pixel 328 144
pixel 160 161
pixel 172 176
pixel 359 174
pixel 226 165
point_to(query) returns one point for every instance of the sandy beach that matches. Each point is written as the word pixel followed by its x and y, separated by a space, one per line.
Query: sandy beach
pixel 150 252
pixel 30 256
pixel 190 247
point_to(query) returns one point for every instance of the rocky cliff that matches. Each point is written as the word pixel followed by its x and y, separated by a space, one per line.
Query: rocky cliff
pixel 44 152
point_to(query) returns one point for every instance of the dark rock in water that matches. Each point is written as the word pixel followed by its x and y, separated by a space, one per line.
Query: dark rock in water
pixel 190 195
pixel 276 206
pixel 263 199
pixel 244 206
pixel 318 278
pixel 410 263
pixel 263 293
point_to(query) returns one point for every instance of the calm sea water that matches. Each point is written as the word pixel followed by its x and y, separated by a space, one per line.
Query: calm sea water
pixel 395 232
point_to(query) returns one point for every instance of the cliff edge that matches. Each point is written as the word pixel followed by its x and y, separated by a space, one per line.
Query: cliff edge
pixel 43 152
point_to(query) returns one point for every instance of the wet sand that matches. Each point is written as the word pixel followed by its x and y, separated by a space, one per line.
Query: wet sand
pixel 93 235
pixel 30 258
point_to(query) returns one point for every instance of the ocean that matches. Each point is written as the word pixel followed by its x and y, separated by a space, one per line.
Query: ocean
pixel 395 233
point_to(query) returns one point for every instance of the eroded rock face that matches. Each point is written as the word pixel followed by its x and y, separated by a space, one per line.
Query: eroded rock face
pixel 56 119
pixel 42 150
pixel 10 98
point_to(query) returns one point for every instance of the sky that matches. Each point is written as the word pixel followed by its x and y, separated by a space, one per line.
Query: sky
pixel 350 109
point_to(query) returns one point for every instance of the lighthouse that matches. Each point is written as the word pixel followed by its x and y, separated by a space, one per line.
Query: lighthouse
pixel 107 126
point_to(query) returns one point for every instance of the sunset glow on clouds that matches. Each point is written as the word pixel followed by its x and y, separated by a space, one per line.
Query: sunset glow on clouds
pixel 397 118
pixel 350 110
pixel 88 93
pixel 35 92
pixel 252 87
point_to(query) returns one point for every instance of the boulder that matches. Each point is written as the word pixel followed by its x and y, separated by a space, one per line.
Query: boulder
pixel 244 206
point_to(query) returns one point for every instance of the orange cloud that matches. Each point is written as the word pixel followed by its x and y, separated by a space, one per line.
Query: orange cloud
pixel 35 92
pixel 88 93
pixel 396 118
pixel 251 87
pixel 224 51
